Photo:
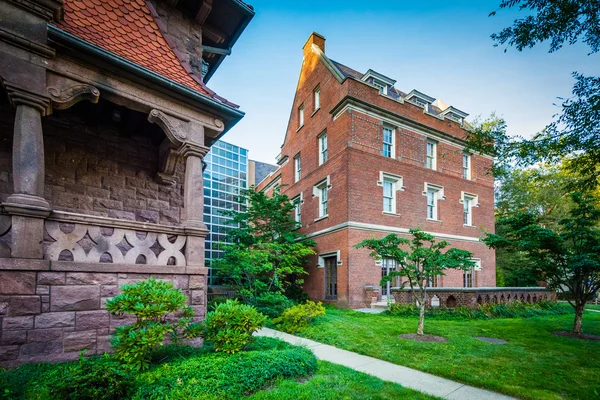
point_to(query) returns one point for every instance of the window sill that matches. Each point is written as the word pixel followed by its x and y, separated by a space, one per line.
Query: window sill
pixel 298 130
pixel 390 213
pixel 316 111
pixel 434 220
pixel 320 218
pixel 469 226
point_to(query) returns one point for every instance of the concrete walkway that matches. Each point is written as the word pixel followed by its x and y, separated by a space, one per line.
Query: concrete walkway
pixel 387 371
pixel 589 309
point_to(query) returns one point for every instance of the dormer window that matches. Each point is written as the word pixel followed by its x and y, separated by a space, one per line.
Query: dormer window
pixel 381 87
pixel 419 99
pixel 379 81
pixel 454 114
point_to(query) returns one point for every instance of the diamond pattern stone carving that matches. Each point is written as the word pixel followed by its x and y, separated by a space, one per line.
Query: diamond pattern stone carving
pixel 94 244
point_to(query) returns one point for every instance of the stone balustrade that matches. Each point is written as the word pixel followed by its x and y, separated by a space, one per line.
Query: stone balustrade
pixel 472 297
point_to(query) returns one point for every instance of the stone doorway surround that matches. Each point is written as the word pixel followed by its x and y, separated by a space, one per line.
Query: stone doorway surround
pixel 58 268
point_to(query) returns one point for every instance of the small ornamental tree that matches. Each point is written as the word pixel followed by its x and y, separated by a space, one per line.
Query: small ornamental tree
pixel 160 310
pixel 267 254
pixel 567 257
pixel 421 263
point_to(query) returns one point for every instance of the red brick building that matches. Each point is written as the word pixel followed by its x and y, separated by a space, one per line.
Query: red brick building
pixel 366 159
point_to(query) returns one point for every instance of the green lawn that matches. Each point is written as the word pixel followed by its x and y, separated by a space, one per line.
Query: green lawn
pixel 333 382
pixel 534 365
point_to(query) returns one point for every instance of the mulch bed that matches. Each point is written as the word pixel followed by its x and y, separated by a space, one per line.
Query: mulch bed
pixel 583 336
pixel 423 338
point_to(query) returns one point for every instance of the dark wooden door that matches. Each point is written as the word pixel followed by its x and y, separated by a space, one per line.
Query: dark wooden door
pixel 331 278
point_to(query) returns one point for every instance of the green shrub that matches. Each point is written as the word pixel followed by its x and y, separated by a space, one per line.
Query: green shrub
pixel 215 302
pixel 97 378
pixel 516 309
pixel 152 302
pixel 230 327
pixel 221 376
pixel 271 304
pixel 299 316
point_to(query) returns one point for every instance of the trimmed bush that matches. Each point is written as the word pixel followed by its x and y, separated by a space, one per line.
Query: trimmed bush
pixel 299 316
pixel 516 309
pixel 230 327
pixel 152 302
pixel 215 302
pixel 271 304
pixel 224 376
pixel 98 378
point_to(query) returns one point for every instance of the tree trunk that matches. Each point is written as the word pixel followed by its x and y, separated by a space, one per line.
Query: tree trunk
pixel 579 308
pixel 421 317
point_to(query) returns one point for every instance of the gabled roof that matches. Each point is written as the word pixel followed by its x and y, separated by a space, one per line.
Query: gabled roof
pixel 127 28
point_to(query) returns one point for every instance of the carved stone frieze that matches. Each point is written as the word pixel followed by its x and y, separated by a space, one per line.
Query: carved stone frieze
pixel 90 243
pixel 66 92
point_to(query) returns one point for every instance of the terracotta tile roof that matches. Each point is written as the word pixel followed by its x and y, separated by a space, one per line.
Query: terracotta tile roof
pixel 128 29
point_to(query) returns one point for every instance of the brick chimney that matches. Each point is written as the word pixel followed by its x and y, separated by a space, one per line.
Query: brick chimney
pixel 317 40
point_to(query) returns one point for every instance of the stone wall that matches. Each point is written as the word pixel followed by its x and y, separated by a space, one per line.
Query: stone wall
pixel 98 169
pixel 471 297
pixel 51 311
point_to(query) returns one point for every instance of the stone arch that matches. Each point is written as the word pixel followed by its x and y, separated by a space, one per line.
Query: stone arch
pixel 451 301
pixel 495 299
pixel 535 299
pixel 487 299
pixel 522 298
pixel 502 299
pixel 528 298
pixel 479 300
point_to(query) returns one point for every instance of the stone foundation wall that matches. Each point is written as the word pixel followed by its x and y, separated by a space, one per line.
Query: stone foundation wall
pixel 50 311
pixel 472 297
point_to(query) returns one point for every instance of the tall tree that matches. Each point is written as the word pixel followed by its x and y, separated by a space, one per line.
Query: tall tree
pixel 575 135
pixel 421 264
pixel 267 253
pixel 567 257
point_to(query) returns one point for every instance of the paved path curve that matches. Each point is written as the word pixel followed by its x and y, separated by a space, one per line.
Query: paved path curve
pixel 387 371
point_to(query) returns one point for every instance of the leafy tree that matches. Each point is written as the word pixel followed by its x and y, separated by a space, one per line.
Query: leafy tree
pixel 423 262
pixel 575 135
pixel 568 257
pixel 267 253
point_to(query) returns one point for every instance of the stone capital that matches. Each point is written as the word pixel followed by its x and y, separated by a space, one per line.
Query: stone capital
pixel 192 149
pixel 20 97
pixel 50 10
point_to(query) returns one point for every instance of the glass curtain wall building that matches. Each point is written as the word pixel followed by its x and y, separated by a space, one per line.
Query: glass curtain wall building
pixel 225 175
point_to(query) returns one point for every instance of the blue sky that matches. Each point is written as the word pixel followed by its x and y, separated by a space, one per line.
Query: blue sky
pixel 441 48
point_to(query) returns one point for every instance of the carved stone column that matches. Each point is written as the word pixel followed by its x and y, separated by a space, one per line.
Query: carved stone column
pixel 193 200
pixel 27 204
pixel 186 138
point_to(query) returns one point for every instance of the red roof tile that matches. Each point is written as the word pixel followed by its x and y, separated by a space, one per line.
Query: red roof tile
pixel 127 29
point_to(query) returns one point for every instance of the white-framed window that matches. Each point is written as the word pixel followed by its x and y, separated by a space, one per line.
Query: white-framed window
pixel 297 168
pixel 468 201
pixel 466 166
pixel 301 116
pixel 380 86
pixel 317 94
pixel 387 148
pixel 435 281
pixel 431 156
pixel 434 193
pixel 323 154
pixel 297 201
pixel 321 190
pixel 468 278
pixel 390 184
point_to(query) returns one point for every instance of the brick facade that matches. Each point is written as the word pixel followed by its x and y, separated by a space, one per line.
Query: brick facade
pixel 353 114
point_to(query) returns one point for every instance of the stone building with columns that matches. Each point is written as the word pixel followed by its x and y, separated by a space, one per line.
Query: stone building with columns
pixel 105 118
